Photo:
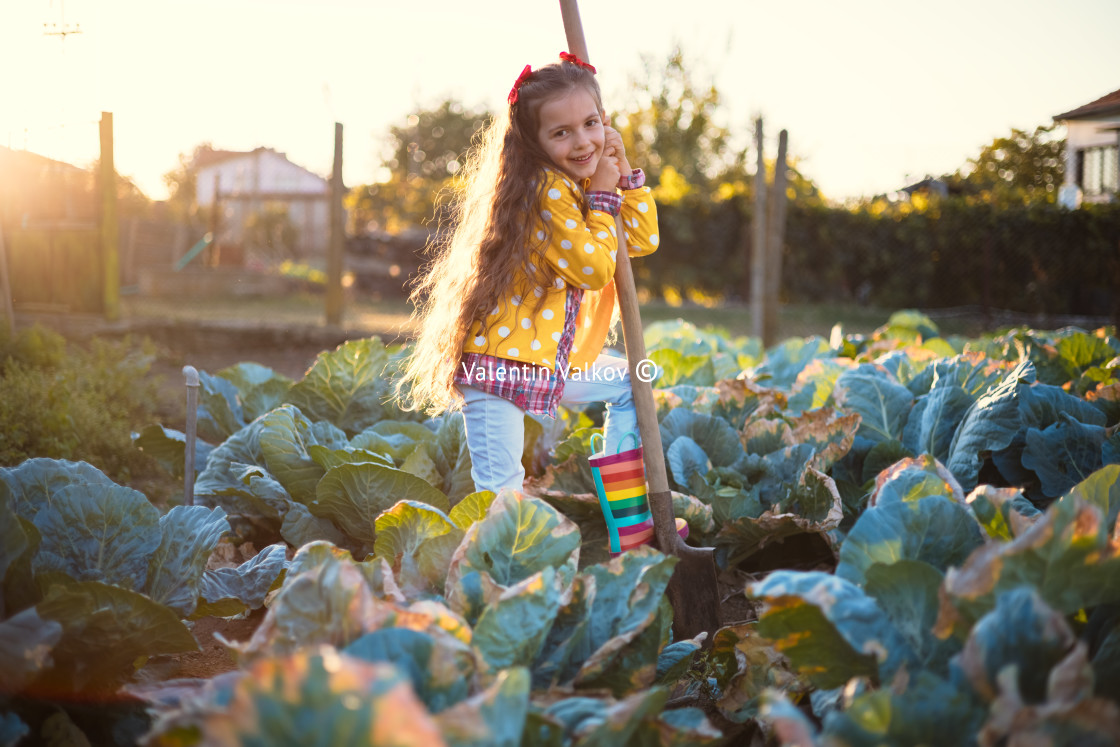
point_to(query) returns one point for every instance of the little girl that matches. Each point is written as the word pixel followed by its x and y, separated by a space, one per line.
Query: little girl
pixel 515 308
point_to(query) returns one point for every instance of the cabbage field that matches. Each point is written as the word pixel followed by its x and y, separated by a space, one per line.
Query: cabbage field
pixel 917 538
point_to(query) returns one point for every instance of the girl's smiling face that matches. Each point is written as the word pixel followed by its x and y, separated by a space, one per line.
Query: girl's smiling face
pixel 571 133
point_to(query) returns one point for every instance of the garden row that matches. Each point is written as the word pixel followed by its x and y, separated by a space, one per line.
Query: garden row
pixel 956 502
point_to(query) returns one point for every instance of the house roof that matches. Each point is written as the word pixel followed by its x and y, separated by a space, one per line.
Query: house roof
pixel 1107 104
pixel 206 157
pixel 12 159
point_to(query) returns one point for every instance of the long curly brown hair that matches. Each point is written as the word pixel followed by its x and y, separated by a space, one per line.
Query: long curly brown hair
pixel 493 238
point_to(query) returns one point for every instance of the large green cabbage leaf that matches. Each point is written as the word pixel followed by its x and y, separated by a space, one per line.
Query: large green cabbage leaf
pixel 33 483
pixel 286 434
pixel 219 413
pixel 926 709
pixel 259 388
pixel 439 667
pixel 105 631
pixel 330 603
pixel 26 640
pixel 354 495
pixel 882 403
pixel 245 586
pixel 313 696
pixel 189 535
pixel 933 529
pixel 989 424
pixel 417 540
pixel 495 717
pixel 519 537
pixel 782 363
pixel 1067 555
pixel 829 628
pixel 347 386
pixel 102 532
pixel 511 629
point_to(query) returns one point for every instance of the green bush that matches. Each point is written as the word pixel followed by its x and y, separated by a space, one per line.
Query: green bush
pixel 69 402
pixel 1036 258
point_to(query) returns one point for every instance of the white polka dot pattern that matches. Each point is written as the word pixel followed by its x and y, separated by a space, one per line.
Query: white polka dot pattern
pixel 521 335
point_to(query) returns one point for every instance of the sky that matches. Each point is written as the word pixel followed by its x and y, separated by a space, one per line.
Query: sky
pixel 873 93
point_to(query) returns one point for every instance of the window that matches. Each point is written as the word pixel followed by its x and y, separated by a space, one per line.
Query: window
pixel 1100 170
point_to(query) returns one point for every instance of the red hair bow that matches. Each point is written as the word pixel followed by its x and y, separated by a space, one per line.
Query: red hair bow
pixel 525 75
pixel 566 57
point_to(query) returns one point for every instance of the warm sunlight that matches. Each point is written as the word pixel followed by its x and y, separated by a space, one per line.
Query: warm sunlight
pixel 253 74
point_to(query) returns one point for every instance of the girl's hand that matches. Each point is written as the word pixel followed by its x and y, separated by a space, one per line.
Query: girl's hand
pixel 607 174
pixel 612 145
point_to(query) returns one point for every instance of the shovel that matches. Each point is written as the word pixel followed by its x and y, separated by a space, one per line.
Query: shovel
pixel 693 590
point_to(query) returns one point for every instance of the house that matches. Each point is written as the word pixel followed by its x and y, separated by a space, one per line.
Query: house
pixel 1092 151
pixel 931 185
pixel 36 189
pixel 268 206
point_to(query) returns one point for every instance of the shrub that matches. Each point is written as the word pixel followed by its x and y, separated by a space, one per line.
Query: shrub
pixel 64 401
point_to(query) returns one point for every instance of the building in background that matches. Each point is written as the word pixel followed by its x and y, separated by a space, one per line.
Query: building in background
pixel 1092 151
pixel 268 207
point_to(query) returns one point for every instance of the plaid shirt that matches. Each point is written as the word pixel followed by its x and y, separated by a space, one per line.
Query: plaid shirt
pixel 534 389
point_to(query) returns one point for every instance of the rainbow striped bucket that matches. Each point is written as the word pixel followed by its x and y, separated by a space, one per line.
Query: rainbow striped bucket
pixel 620 481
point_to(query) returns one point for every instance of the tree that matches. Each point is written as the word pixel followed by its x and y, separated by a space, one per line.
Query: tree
pixel 1020 168
pixel 671 122
pixel 271 233
pixel 671 128
pixel 422 158
pixel 182 186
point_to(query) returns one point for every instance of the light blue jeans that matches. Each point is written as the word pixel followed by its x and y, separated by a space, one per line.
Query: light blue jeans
pixel 496 427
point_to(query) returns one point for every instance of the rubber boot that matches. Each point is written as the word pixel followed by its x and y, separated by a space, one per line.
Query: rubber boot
pixel 620 483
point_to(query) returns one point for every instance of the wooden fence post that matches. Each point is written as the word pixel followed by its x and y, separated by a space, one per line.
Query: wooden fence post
pixel 334 247
pixel 775 239
pixel 110 250
pixel 758 248
pixel 6 287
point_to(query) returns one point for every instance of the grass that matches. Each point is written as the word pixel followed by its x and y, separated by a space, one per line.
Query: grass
pixel 390 317
pixel 298 308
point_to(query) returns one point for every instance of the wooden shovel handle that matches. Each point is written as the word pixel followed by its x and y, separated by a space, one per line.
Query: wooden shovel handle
pixel 660 498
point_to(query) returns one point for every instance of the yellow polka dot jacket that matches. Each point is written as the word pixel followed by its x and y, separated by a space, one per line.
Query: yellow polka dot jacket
pixel 582 253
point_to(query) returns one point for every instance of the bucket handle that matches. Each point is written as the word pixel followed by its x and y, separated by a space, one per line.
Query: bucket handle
pixel 629 434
